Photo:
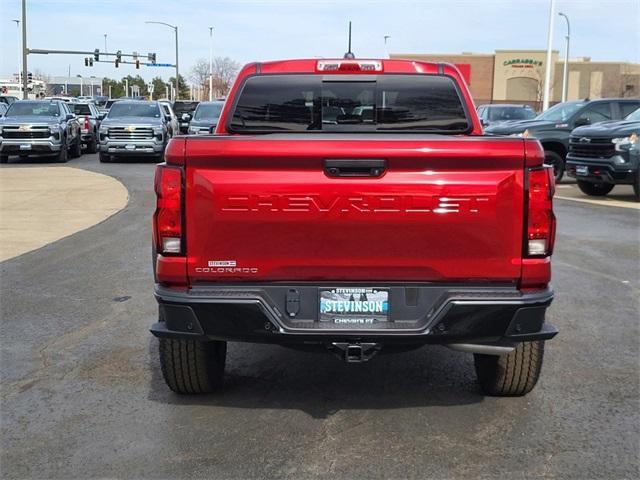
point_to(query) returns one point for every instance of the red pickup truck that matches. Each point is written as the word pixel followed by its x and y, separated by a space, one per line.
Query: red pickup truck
pixel 353 206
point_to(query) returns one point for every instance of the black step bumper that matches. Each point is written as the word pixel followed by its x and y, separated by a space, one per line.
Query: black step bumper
pixel 419 314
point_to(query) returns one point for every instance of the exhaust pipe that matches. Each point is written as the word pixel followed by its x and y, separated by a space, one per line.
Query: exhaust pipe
pixel 355 352
pixel 483 349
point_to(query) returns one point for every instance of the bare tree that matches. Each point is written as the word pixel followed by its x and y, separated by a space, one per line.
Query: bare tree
pixel 224 72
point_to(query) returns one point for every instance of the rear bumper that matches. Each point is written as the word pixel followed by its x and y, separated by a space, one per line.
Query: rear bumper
pixel 419 314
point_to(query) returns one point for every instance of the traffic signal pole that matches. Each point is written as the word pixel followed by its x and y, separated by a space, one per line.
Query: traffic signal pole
pixel 25 80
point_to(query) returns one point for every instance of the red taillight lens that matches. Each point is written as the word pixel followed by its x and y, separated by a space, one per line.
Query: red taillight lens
pixel 87 124
pixel 541 222
pixel 168 216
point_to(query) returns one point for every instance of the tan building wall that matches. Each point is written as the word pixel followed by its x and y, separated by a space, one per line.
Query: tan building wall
pixel 517 76
pixel 481 78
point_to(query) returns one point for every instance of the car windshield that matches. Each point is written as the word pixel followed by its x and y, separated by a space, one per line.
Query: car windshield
pixel 39 109
pixel 634 116
pixel 134 109
pixel 561 112
pixel 300 103
pixel 208 111
pixel 503 114
pixel 81 109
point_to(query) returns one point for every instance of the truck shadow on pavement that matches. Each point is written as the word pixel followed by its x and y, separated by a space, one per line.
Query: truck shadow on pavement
pixel 319 384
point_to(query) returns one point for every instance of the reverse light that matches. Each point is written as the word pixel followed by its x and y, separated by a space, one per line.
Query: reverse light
pixel 167 220
pixel 362 66
pixel 541 222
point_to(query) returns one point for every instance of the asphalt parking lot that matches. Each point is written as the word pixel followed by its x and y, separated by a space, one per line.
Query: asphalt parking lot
pixel 82 395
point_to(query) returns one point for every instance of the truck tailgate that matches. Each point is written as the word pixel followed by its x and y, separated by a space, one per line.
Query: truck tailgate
pixel 265 208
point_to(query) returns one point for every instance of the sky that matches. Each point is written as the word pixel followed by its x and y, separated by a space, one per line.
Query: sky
pixel 254 30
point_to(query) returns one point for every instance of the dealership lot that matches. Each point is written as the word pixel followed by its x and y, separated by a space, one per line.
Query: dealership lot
pixel 82 393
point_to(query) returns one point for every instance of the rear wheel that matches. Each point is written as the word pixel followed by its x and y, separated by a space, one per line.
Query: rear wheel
pixel 556 161
pixel 595 189
pixel 92 146
pixel 514 374
pixel 76 149
pixel 192 366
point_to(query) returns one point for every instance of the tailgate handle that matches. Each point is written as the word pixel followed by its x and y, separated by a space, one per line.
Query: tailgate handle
pixel 354 168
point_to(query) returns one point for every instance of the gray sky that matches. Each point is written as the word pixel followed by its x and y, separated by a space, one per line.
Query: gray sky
pixel 248 30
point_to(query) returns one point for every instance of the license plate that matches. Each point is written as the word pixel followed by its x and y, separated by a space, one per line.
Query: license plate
pixel 130 147
pixel 354 307
pixel 582 170
pixel 25 146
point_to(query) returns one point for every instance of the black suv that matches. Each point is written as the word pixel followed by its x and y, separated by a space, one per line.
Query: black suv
pixel 606 154
pixel 554 126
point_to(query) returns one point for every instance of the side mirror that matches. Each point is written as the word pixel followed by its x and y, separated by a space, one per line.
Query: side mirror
pixel 102 116
pixel 167 118
pixel 186 117
pixel 582 121
pixel 70 116
pixel 484 123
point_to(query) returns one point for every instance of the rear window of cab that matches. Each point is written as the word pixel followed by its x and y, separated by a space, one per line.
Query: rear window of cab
pixel 349 103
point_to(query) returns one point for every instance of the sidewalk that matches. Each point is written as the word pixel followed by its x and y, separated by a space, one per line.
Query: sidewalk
pixel 40 205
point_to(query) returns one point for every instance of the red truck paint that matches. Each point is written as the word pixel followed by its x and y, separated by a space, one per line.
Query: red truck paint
pixel 444 238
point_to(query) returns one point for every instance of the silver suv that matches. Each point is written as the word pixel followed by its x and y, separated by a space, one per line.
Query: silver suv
pixel 38 128
pixel 133 128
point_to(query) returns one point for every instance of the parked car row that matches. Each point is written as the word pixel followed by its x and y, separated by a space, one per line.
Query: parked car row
pixel 61 127
pixel 594 141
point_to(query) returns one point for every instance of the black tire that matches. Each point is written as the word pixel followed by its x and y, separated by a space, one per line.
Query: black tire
pixel 62 156
pixel 192 366
pixel 595 189
pixel 556 161
pixel 105 158
pixel 636 186
pixel 4 158
pixel 76 149
pixel 514 374
pixel 92 146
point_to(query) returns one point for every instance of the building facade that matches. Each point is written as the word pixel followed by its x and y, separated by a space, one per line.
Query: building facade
pixel 517 76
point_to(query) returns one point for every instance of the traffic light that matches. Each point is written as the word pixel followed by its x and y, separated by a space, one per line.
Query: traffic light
pixel 151 57
pixel 86 62
pixel 30 77
pixel 137 64
pixel 117 63
pixel 118 58
pixel 96 54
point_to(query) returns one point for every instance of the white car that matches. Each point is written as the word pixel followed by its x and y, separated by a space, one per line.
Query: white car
pixel 172 119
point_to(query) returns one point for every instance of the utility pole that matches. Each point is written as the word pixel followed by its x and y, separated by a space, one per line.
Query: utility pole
pixel 126 87
pixel 25 80
pixel 105 43
pixel 547 73
pixel 19 50
pixel 565 71
pixel 210 64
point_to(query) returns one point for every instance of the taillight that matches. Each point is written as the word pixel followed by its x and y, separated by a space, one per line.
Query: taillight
pixel 541 222
pixel 364 66
pixel 167 220
pixel 87 124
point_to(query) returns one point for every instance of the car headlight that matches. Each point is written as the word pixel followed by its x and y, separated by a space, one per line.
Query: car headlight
pixel 104 129
pixel 624 144
pixel 55 128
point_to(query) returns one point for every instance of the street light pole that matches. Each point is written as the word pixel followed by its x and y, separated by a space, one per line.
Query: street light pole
pixel 19 50
pixel 565 72
pixel 210 64
pixel 386 50
pixel 175 29
pixel 105 43
pixel 547 73
pixel 25 80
